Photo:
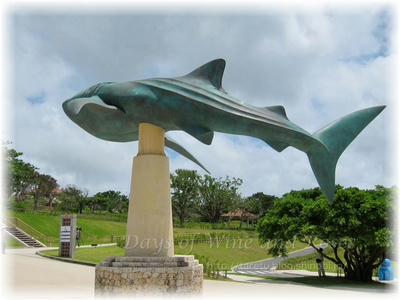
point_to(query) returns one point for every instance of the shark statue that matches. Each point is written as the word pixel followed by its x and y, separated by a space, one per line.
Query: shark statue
pixel 197 104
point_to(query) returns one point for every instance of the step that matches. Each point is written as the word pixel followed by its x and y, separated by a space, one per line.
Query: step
pixel 30 241
pixel 152 259
pixel 150 264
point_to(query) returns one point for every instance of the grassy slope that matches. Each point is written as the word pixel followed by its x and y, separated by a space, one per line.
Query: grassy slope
pixel 93 230
pixel 226 252
pixel 100 231
pixel 229 253
pixel 11 243
pixel 307 262
pixel 94 255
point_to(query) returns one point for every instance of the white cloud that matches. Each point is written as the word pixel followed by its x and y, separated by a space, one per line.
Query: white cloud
pixel 290 59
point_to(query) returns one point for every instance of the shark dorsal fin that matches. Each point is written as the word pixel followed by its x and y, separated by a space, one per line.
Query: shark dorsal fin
pixel 279 109
pixel 210 72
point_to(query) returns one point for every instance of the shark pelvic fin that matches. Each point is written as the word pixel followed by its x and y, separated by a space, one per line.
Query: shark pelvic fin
pixel 277 146
pixel 202 134
pixel 210 72
pixel 279 109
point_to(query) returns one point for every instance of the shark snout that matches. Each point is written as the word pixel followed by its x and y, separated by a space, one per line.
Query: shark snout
pixel 70 107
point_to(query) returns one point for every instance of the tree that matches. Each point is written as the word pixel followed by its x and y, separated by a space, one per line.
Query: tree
pixel 73 199
pixel 216 196
pixel 24 178
pixel 21 175
pixel 123 204
pixel 259 203
pixel 185 188
pixel 97 202
pixel 115 201
pixel 354 223
pixel 44 187
pixel 110 201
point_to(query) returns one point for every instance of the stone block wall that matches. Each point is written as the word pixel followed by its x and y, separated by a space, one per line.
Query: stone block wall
pixel 125 275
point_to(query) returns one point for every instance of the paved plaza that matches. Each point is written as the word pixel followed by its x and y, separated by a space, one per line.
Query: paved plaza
pixel 29 275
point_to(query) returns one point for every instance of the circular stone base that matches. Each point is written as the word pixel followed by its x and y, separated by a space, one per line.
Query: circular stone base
pixel 125 275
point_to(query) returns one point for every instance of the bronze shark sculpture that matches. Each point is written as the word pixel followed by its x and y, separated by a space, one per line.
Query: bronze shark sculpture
pixel 197 104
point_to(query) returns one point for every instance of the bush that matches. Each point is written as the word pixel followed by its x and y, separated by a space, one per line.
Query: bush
pixel 356 222
pixel 211 268
pixel 120 242
pixel 17 205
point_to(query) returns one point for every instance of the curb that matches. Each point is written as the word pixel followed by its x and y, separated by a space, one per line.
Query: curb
pixel 66 260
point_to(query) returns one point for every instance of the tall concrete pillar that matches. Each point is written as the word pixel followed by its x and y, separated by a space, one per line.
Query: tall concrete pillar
pixel 149 247
pixel 149 228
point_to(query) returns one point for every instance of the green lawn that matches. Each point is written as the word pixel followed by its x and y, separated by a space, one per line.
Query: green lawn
pixel 307 262
pixel 235 224
pixel 94 255
pixel 228 253
pixel 100 231
pixel 239 246
pixel 231 252
pixel 93 230
pixel 11 243
pixel 190 230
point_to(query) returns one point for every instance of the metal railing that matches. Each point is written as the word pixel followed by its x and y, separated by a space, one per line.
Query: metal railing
pixel 16 222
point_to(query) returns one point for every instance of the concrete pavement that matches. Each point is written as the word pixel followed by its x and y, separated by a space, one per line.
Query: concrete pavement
pixel 27 275
pixel 30 276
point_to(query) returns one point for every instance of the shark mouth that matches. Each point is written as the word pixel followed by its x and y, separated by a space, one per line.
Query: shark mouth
pixel 73 107
pixel 104 121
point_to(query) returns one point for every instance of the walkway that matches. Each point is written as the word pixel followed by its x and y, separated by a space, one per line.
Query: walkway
pixel 32 276
pixel 267 266
pixel 29 275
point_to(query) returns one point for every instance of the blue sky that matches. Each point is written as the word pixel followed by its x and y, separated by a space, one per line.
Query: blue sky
pixel 319 64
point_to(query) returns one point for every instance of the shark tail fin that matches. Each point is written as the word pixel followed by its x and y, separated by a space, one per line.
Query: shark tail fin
pixel 336 136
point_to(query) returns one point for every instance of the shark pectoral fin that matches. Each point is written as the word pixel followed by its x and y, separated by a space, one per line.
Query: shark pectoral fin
pixel 277 146
pixel 278 109
pixel 172 144
pixel 202 134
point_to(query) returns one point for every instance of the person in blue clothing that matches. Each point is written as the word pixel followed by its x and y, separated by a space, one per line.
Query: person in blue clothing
pixel 385 270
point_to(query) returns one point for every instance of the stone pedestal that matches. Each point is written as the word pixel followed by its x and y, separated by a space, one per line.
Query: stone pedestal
pixel 149 230
pixel 131 275
pixel 149 265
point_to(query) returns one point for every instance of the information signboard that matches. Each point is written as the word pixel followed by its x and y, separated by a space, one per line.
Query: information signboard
pixel 67 236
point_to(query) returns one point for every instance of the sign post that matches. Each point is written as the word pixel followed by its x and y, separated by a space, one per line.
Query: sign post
pixel 67 236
